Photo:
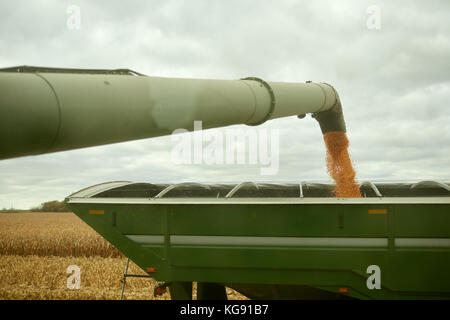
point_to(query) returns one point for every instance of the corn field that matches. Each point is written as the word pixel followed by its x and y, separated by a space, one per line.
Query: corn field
pixel 51 234
pixel 37 248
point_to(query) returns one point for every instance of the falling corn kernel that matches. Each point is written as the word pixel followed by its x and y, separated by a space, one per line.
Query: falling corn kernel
pixel 339 165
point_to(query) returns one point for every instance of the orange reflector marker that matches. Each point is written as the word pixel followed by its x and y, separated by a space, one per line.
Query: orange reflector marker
pixel 377 211
pixel 96 212
pixel 151 270
pixel 343 290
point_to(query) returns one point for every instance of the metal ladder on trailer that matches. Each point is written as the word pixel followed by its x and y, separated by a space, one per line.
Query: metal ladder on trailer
pixel 126 275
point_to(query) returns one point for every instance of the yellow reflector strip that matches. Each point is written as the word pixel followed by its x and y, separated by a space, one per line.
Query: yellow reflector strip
pixel 96 212
pixel 377 211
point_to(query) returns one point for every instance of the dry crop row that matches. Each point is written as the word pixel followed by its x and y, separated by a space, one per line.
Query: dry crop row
pixel 37 248
pixel 51 234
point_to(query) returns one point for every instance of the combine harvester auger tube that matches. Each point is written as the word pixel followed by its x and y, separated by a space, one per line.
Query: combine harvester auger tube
pixel 44 110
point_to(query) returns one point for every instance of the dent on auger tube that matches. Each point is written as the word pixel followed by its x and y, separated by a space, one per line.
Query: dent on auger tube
pixel 44 110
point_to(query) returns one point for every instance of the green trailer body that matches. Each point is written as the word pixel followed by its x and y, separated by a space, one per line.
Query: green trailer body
pixel 285 241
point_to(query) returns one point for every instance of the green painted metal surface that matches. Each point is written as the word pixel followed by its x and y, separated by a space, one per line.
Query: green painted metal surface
pixel 45 110
pixel 311 247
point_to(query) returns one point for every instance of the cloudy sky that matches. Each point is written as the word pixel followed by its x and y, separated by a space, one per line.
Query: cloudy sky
pixel 394 82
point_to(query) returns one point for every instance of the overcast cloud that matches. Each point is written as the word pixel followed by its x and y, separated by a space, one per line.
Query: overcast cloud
pixel 394 82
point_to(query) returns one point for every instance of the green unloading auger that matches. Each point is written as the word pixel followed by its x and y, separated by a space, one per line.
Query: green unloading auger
pixel 44 110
